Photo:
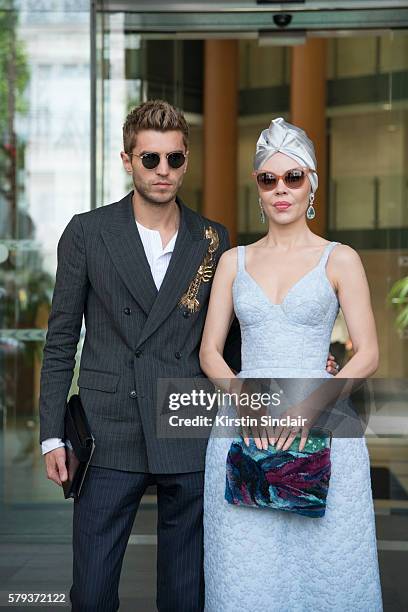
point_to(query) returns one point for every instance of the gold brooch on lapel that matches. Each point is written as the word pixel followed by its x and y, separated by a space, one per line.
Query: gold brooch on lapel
pixel 204 273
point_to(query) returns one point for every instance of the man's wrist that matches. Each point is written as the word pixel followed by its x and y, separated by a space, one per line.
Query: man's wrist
pixel 51 444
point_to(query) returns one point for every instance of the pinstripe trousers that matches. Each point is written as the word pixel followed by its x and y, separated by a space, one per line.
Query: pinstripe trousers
pixel 102 523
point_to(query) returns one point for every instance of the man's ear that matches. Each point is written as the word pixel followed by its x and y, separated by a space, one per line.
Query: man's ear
pixel 186 163
pixel 126 162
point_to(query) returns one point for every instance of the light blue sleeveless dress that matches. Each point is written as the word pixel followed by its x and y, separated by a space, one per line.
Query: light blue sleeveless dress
pixel 261 559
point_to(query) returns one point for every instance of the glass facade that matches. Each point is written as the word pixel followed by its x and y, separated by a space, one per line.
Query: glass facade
pixel 46 176
pixel 130 70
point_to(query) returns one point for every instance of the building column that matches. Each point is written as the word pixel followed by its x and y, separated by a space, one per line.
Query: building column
pixel 308 111
pixel 220 128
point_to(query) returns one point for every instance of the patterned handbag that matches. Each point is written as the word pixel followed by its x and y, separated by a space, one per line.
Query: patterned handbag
pixel 290 480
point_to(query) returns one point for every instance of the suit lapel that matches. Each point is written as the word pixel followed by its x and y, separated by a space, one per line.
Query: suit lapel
pixel 189 250
pixel 122 240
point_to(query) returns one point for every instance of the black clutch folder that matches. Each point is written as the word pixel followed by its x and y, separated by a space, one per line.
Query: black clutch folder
pixel 79 447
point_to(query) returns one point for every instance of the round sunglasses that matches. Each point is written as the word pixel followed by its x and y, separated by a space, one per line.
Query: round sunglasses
pixel 175 159
pixel 293 178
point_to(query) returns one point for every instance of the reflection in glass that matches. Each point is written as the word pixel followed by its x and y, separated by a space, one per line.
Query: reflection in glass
pixel 44 170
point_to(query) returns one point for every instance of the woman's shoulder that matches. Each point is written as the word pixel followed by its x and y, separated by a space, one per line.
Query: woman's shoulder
pixel 343 254
pixel 228 260
pixel 230 255
pixel 344 261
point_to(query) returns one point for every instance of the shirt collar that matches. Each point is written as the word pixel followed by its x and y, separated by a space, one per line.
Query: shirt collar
pixel 146 233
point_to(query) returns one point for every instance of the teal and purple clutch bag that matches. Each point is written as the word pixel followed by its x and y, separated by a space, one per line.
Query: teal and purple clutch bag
pixel 291 480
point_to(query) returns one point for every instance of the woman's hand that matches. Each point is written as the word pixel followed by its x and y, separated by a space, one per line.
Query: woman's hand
pixel 262 434
pixel 284 436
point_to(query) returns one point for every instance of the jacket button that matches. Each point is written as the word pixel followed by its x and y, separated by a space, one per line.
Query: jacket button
pixel 138 353
pixel 177 355
pixel 127 311
pixel 133 394
pixel 186 314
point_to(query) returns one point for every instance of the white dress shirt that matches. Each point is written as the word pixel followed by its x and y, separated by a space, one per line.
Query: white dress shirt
pixel 159 259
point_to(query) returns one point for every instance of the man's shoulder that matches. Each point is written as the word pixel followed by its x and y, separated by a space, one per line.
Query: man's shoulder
pixel 205 221
pixel 101 211
pixel 218 226
pixel 198 224
pixel 103 215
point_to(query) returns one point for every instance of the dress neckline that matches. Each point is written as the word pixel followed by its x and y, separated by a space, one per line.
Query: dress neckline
pixel 304 276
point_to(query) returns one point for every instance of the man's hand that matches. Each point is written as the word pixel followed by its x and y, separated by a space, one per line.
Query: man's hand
pixel 332 366
pixel 55 465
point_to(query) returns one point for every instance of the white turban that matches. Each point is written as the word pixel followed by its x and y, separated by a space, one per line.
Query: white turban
pixel 283 137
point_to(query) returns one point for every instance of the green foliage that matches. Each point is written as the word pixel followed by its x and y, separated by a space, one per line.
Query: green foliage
pixel 11 64
pixel 398 297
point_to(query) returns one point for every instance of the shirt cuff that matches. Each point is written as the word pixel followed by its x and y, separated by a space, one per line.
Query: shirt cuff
pixel 51 444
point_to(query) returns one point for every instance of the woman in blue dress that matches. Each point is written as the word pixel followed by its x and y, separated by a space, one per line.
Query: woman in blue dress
pixel 286 290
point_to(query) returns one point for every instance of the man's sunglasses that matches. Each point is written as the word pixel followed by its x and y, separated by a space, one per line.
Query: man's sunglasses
pixel 293 178
pixel 151 160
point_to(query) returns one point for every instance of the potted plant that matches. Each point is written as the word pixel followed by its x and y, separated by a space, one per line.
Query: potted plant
pixel 398 297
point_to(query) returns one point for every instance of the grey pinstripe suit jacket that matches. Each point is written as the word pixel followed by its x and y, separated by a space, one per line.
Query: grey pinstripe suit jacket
pixel 134 334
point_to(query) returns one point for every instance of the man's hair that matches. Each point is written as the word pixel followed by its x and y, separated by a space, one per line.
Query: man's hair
pixel 156 115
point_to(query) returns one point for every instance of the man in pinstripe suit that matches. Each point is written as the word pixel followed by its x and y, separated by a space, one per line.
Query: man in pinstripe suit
pixel 125 267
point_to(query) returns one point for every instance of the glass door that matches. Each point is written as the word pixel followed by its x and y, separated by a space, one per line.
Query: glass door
pixel 146 55
pixel 44 178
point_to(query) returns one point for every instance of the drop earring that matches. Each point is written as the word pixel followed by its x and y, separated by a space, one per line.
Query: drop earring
pixel 311 213
pixel 262 210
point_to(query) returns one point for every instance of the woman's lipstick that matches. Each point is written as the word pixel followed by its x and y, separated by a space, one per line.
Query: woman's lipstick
pixel 282 206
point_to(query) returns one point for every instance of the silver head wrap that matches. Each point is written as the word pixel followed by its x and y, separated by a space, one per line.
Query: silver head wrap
pixel 283 137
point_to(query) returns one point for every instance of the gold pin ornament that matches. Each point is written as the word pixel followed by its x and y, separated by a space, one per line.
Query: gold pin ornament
pixel 204 273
